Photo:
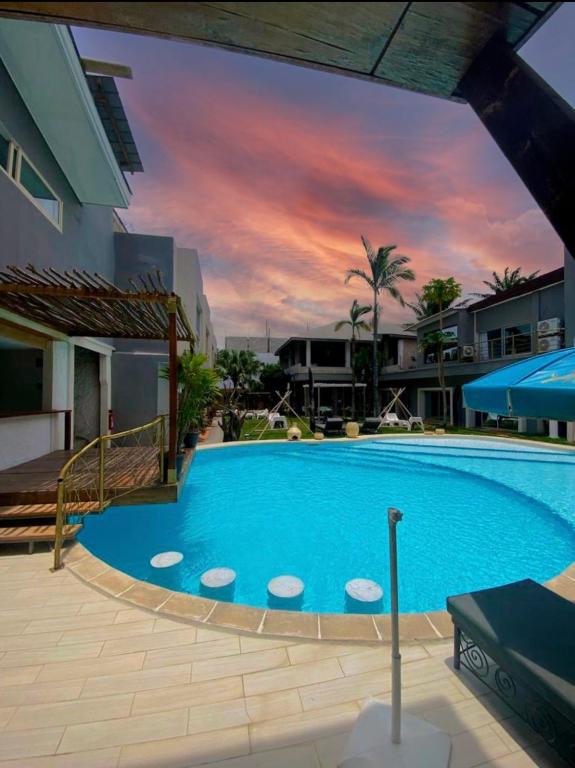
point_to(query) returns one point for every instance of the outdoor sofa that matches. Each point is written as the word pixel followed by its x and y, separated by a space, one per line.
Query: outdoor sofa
pixel 519 640
pixel 331 426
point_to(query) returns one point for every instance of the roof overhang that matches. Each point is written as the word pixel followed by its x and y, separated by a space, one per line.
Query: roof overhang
pixel 420 46
pixel 44 66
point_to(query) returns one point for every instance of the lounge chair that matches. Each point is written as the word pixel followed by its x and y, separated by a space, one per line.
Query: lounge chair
pixel 392 420
pixel 370 425
pixel 331 426
pixel 416 421
pixel 519 640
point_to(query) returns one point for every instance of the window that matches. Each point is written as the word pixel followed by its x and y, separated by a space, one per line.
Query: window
pixel 25 176
pixel 490 346
pixel 518 339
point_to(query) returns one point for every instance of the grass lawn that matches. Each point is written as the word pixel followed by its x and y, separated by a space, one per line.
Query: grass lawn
pixel 251 430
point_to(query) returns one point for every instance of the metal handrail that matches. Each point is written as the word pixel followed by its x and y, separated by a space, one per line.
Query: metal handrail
pixel 99 443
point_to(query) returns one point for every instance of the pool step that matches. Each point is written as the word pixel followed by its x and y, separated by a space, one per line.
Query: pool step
pixel 29 511
pixel 29 534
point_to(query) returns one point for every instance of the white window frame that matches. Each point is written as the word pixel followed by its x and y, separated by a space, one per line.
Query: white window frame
pixel 15 155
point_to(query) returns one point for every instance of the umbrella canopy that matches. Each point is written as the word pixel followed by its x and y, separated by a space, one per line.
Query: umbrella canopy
pixel 541 387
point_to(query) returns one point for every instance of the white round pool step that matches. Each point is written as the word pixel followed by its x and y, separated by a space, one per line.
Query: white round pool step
pixel 364 591
pixel 218 578
pixel 166 559
pixel 286 587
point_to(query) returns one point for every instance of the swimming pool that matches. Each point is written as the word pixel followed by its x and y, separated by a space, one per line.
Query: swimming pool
pixel 477 513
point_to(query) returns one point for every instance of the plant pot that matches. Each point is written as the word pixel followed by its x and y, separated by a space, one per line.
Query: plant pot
pixel 191 439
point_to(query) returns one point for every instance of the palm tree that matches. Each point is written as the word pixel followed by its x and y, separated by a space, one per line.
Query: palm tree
pixel 510 279
pixel 423 308
pixel 440 293
pixel 240 366
pixel 356 325
pixel 385 271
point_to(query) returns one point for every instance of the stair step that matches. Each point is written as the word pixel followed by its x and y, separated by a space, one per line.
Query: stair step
pixel 23 511
pixel 35 533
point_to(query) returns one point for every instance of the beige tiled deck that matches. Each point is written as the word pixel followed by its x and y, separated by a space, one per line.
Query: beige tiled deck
pixel 88 680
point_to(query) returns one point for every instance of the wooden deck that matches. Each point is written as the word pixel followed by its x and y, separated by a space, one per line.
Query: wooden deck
pixel 35 482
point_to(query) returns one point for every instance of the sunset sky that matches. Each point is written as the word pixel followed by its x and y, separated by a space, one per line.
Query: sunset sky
pixel 273 172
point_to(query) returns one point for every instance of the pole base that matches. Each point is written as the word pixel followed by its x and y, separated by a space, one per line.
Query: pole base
pixel 369 746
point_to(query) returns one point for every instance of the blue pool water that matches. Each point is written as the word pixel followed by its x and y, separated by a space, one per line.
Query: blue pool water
pixel 477 513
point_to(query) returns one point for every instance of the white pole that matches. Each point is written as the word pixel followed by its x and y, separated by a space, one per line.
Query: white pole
pixel 393 517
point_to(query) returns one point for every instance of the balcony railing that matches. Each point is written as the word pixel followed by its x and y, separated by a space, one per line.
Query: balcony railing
pixel 500 348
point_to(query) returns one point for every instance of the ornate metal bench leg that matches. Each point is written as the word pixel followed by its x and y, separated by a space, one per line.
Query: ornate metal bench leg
pixel 456 646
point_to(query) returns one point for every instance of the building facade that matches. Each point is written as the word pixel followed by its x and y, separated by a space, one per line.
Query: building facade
pixel 496 331
pixel 327 354
pixel 62 175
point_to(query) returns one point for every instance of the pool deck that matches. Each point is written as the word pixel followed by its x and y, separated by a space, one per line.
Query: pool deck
pixel 89 681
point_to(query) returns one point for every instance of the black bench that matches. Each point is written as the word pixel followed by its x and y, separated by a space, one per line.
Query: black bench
pixel 519 640
pixel 371 425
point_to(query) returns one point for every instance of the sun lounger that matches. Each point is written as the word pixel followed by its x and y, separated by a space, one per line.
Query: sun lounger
pixel 331 426
pixel 371 425
pixel 392 420
pixel 519 640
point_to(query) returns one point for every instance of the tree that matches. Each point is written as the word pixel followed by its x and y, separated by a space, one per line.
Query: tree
pixel 240 366
pixel 385 271
pixel 442 293
pixel 273 378
pixel 510 279
pixel 356 326
pixel 425 309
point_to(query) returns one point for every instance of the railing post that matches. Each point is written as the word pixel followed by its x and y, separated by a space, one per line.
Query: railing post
pixel 173 388
pixel 101 472
pixel 68 430
pixel 162 426
pixel 59 525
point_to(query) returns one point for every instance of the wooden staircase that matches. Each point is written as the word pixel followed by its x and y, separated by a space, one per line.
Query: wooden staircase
pixel 30 523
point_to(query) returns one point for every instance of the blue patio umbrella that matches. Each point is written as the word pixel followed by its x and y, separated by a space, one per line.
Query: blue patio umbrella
pixel 541 387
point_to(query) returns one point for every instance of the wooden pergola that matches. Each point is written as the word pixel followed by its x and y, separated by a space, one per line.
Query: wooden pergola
pixel 78 303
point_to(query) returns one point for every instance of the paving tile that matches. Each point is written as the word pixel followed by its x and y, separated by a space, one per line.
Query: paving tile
pixel 140 680
pixel 188 695
pixel 69 670
pixel 442 622
pixel 291 624
pixel 40 693
pixel 344 689
pixel 339 626
pixel 249 643
pixel 302 653
pixel 237 616
pixel 6 714
pixel 475 747
pixel 215 649
pixel 291 677
pixel 270 706
pixel 466 716
pixel 14 627
pixel 146 595
pixel 20 675
pixel 70 712
pixel 242 664
pixel 378 658
pixel 126 730
pixel 75 553
pixel 62 623
pixel 149 641
pixel 53 654
pixel 563 585
pixel 188 751
pixel 205 634
pixel 515 733
pixel 101 758
pixel 113 582
pixel 126 615
pixel 27 642
pixel 89 568
pixel 305 726
pixel 107 632
pixel 40 741
pixel 187 607
pixel 330 749
pixel 220 715
pixel 299 756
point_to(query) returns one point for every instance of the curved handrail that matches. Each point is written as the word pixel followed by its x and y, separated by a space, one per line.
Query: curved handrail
pixel 97 443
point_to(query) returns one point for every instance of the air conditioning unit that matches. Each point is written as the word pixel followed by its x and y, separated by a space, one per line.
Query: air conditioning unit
pixel 552 325
pixel 468 352
pixel 548 343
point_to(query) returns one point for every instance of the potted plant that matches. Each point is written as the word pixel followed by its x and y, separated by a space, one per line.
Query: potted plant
pixel 198 391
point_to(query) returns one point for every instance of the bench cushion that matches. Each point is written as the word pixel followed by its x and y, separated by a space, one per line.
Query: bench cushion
pixel 529 631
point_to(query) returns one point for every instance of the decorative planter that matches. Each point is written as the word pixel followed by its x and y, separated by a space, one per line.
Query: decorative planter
pixel 352 429
pixel 191 439
pixel 294 433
